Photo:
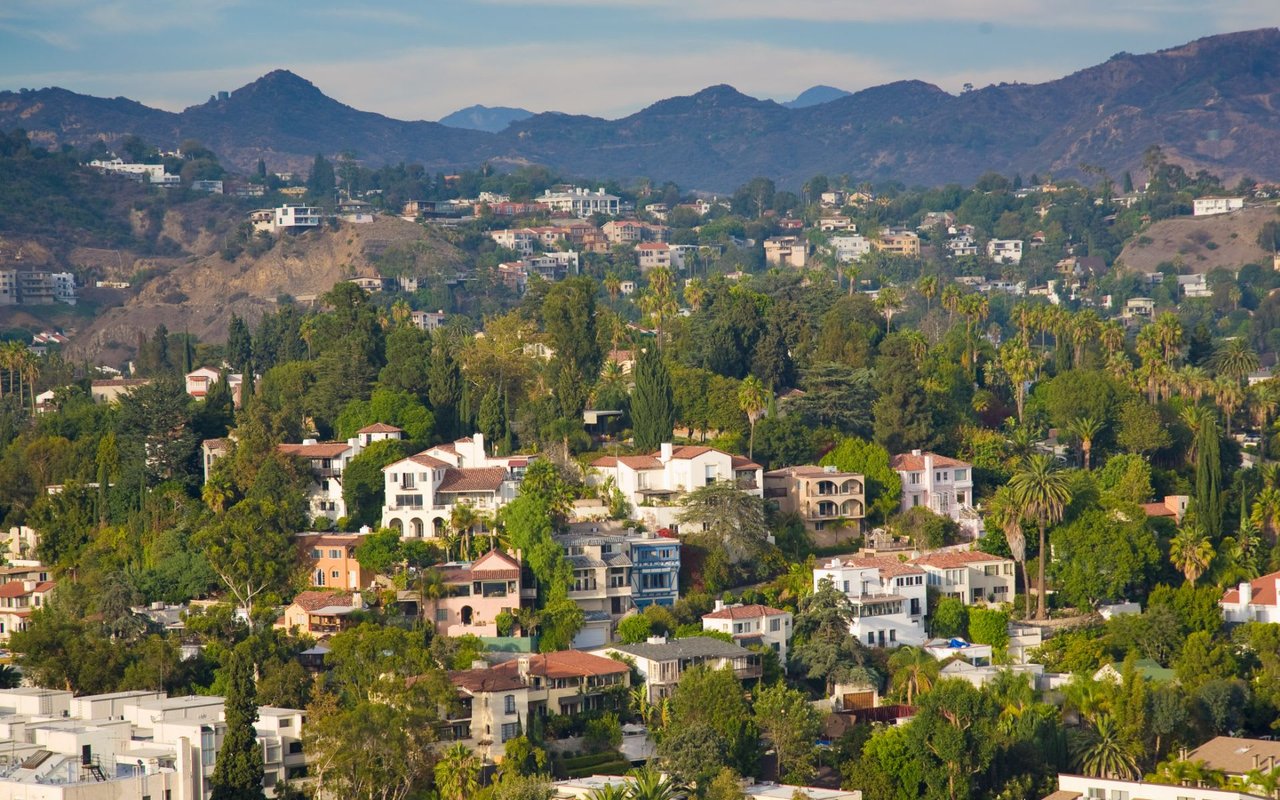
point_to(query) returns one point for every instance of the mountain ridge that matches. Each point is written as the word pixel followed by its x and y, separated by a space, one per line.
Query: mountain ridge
pixel 1213 103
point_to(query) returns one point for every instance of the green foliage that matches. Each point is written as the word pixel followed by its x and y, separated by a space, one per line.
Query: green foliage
pixel 363 483
pixel 635 628
pixel 391 406
pixel 652 401
pixel 950 618
pixel 791 724
pixel 380 552
pixel 714 698
pixel 884 487
pixel 237 775
pixel 1126 478
pixel 1105 555
pixel 989 626
pixel 925 529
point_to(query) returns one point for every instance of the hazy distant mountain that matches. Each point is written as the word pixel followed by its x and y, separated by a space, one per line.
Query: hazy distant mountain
pixel 485 118
pixel 1211 104
pixel 816 96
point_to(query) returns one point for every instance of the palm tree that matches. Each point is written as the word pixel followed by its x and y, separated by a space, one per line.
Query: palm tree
pixel 1234 359
pixel 1086 429
pixel 1229 397
pixel 1168 332
pixel 1019 365
pixel 1191 552
pixel 1101 751
pixel 1112 336
pixel 612 285
pixel 1263 403
pixel 927 286
pixel 462 518
pixel 753 399
pixel 1085 327
pixel 914 671
pixel 1042 492
pixel 457 773
pixel 10 678
pixel 649 784
pixel 951 300
pixel 1024 317
pixel 1266 511
pixel 1005 513
pixel 887 301
pixel 431 587
pixel 610 791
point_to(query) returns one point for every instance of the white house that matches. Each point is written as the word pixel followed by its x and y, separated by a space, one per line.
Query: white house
pixel 654 484
pixel 970 576
pixel 1207 206
pixel 1005 251
pixel 328 460
pixel 849 247
pixel 286 218
pixel 889 598
pixel 421 490
pixel 1076 787
pixel 580 202
pixel 750 624
pixel 1255 601
pixel 942 485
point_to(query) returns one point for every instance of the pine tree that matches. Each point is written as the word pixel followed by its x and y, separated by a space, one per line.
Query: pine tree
pixel 238 772
pixel 239 344
pixel 653 412
pixel 444 391
pixel 491 420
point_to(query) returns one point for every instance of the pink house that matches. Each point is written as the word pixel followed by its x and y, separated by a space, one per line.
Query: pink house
pixel 476 594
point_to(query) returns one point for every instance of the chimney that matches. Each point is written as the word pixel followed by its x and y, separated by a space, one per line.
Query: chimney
pixel 656 640
pixel 915 452
pixel 1246 593
pixel 478 439
pixel 522 666
pixel 365 530
pixel 479 663
pixel 1257 759
pixel 28 586
pixel 666 452
pixel 719 605
pixel 308 441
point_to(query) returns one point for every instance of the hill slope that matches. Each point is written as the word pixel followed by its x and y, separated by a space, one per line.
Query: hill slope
pixel 1202 243
pixel 485 118
pixel 1212 104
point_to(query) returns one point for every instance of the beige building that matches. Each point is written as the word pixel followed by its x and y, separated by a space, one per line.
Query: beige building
pixel 970 576
pixel 824 497
pixel 786 251
pixel 900 243
pixel 752 624
pixel 662 662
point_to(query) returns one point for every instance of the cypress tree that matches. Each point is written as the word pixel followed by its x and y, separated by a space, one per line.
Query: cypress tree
pixel 1209 478
pixel 444 391
pixel 653 412
pixel 239 344
pixel 238 772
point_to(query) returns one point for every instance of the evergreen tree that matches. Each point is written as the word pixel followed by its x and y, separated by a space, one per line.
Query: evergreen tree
pixel 653 411
pixel 902 418
pixel 444 390
pixel 262 169
pixel 492 419
pixel 1208 477
pixel 321 182
pixel 239 344
pixel 238 772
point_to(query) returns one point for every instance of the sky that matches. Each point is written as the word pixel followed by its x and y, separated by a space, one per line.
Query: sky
pixel 423 59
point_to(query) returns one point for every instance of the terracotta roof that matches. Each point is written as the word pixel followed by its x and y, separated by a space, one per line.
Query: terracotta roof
pixel 18 588
pixel 311 601
pixel 634 462
pixel 1062 794
pixel 914 463
pixel 317 450
pixel 1264 591
pixel 744 612
pixel 955 559
pixel 428 461
pixel 888 567
pixel 328 539
pixel 565 664
pixel 472 479
pixel 380 427
pixel 742 462
pixel 688 451
pixel 653 246
pixel 1158 510
pixel 496 564
pixel 485 680
pixel 216 444
pixel 1236 756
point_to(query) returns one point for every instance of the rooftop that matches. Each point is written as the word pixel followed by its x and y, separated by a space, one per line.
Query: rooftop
pixel 691 647
pixel 1236 756
pixel 753 611
pixel 955 559
pixel 914 461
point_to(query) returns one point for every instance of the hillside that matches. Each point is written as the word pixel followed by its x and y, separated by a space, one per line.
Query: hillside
pixel 199 294
pixel 1202 243
pixel 485 118
pixel 1212 104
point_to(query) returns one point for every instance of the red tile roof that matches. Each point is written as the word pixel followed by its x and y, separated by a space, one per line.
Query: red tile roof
pixel 380 427
pixel 310 601
pixel 742 462
pixel 955 559
pixel 688 451
pixel 566 664
pixel 634 462
pixel 1264 591
pixel 317 450
pixel 888 567
pixel 753 611
pixel 18 589
pixel 428 461
pixel 914 463
pixel 477 479
pixel 1158 510
pixel 496 564
pixel 485 680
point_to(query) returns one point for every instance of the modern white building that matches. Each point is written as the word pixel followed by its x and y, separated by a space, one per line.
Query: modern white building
pixel 750 624
pixel 1084 787
pixel 941 484
pixel 1005 251
pixel 654 484
pixel 970 576
pixel 849 247
pixel 889 598
pixel 1208 206
pixel 421 490
pixel 1255 601
pixel 128 745
pixel 286 218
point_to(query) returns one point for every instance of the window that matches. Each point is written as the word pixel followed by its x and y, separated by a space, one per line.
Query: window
pixel 709 472
pixel 315 553
pixel 320 577
pixel 871 637
pixel 961 498
pixel 775 625
pixel 915 500
pixel 335 574
pixel 915 606
pixel 915 479
pixel 509 704
pixel 510 731
pixel 961 474
pixel 893 635
pixel 335 554
pixel 295 747
pixel 442 615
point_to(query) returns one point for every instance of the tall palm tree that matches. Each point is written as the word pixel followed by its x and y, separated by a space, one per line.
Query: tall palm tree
pixel 1004 511
pixel 1042 492
pixel 612 285
pixel 1086 429
pixel 1263 402
pixel 1112 336
pixel 1019 365
pixel 1191 552
pixel 1168 332
pixel 753 399
pixel 458 773
pixel 1229 397
pixel 1101 751
pixel 649 784
pixel 951 300
pixel 1085 327
pixel 1266 511
pixel 927 286
pixel 887 301
pixel 462 518
pixel 1234 359
pixel 1024 318
pixel 914 671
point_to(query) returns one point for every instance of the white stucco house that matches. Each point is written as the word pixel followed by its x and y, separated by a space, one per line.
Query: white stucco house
pixel 889 597
pixel 749 624
pixel 1255 601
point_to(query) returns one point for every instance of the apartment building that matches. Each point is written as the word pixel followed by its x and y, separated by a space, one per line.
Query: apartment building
pixel 54 746
pixel 941 484
pixel 849 247
pixel 786 251
pixel 421 490
pixel 752 624
pixel 579 202
pixel 616 570
pixel 654 484
pixel 328 460
pixel 630 231
pixel 36 287
pixel 899 243
pixel 330 559
pixel 1005 251
pixel 663 663
pixel 823 497
pixel 1208 206
pixel 970 576
pixel 889 597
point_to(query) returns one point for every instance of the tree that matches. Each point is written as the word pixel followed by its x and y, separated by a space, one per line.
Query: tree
pixel 1105 554
pixel 1019 365
pixel 652 401
pixel 635 628
pixel 1234 359
pixel 649 784
pixel 1086 429
pixel 753 399
pixel 1042 492
pixel 791 724
pixel 380 551
pixel 1141 431
pixel 693 752
pixel 1004 512
pixel 1101 750
pixel 321 180
pixel 902 417
pixel 237 775
pixel 568 311
pixel 458 773
pixel 251 550
pixel 883 485
pixel 714 697
pixel 727 518
pixel 1190 552
pixel 822 647
pixel 950 618
pixel 913 672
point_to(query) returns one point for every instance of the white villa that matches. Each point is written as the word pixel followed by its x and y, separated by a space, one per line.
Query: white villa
pixel 942 485
pixel 889 596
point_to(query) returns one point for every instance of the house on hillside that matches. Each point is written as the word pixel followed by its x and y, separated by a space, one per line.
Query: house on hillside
pixel 752 624
pixel 823 497
pixel 328 460
pixel 663 663
pixel 476 593
pixel 1257 600
pixel 970 576
pixel 889 597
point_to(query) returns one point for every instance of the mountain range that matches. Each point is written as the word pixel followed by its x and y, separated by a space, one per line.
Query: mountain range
pixel 1213 104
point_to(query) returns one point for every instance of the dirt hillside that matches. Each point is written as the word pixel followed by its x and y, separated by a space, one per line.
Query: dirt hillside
pixel 1202 243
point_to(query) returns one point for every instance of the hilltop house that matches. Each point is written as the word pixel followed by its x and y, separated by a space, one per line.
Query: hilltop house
pixel 752 624
pixel 476 593
pixel 663 663
pixel 822 496
pixel 941 484
pixel 969 576
pixel 888 596
pixel 328 460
